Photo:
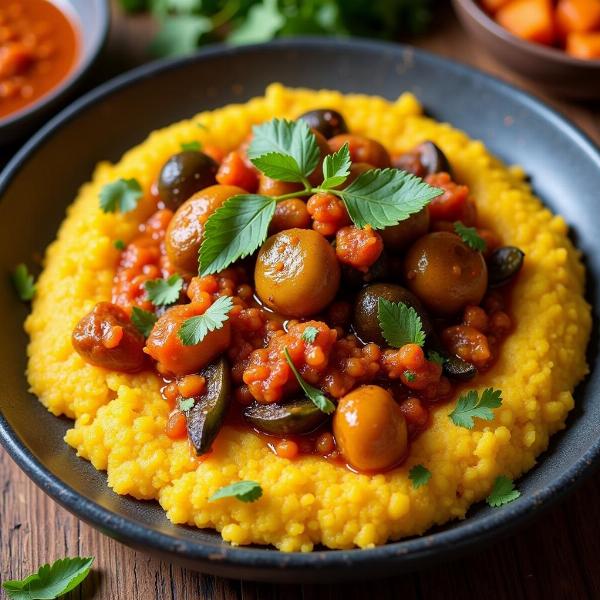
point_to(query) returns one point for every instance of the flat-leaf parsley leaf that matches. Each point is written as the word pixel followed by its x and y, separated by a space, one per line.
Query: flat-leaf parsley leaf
pixel 51 581
pixel 419 475
pixel 310 334
pixel 470 405
pixel 503 492
pixel 195 329
pixel 24 283
pixel 245 491
pixel 436 358
pixel 400 324
pixel 121 195
pixel 315 395
pixel 162 292
pixel 336 167
pixel 469 236
pixel 143 320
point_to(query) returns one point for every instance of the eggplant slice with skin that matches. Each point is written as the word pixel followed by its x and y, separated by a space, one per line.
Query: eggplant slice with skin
pixel 291 418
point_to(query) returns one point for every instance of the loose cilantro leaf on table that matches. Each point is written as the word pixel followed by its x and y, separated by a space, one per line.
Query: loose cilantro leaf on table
pixel 470 406
pixel 195 329
pixel 469 236
pixel 51 581
pixel 419 475
pixel 23 282
pixel 310 334
pixel 162 292
pixel 186 404
pixel 384 197
pixel 143 320
pixel 261 24
pixel 336 167
pixel 245 491
pixel 193 146
pixel 179 34
pixel 314 394
pixel 234 231
pixel 122 195
pixel 503 492
pixel 400 324
pixel 284 150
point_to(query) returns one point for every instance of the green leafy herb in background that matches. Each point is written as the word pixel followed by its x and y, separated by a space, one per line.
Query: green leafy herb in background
pixel 24 283
pixel 195 329
pixel 470 405
pixel 186 24
pixel 51 581
pixel 245 491
pixel 503 492
pixel 143 320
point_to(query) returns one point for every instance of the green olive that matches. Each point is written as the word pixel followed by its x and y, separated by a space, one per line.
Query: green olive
pixel 183 175
pixel 326 121
pixel 366 322
pixel 291 418
pixel 397 237
pixel 297 273
pixel 205 418
pixel 444 273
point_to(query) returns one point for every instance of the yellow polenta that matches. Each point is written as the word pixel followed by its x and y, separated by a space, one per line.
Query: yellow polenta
pixel 120 419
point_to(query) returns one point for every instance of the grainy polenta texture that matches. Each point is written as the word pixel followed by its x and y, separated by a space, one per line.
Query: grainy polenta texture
pixel 120 419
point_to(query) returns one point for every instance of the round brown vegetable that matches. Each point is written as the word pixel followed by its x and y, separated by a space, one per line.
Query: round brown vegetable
pixel 366 322
pixel 274 187
pixel 443 272
pixel 297 273
pixel 397 237
pixel 369 429
pixel 362 149
pixel 504 264
pixel 326 121
pixel 105 337
pixel 184 234
pixel 184 174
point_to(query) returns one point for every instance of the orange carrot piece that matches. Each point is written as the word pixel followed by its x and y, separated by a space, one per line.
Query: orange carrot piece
pixel 577 16
pixel 584 45
pixel 531 20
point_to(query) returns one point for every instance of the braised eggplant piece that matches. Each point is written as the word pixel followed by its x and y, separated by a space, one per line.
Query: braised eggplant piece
pixel 292 418
pixel 326 121
pixel 205 418
pixel 184 174
pixel 504 264
pixel 366 322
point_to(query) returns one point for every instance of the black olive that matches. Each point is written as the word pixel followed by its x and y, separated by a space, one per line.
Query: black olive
pixel 205 418
pixel 366 321
pixel 326 121
pixel 185 174
pixel 457 368
pixel 290 418
pixel 432 158
pixel 503 264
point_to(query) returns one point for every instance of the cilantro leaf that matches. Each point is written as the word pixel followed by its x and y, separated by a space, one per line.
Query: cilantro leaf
pixel 179 34
pixel 143 320
pixel 262 23
pixel 400 324
pixel 162 292
pixel 24 283
pixel 436 357
pixel 469 236
pixel 310 334
pixel 284 150
pixel 336 167
pixel 122 195
pixel 384 197
pixel 409 375
pixel 119 245
pixel 51 581
pixel 235 230
pixel 503 492
pixel 195 329
pixel 245 491
pixel 419 475
pixel 193 146
pixel 314 394
pixel 186 404
pixel 470 405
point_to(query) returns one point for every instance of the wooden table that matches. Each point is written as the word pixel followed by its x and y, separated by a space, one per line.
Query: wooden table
pixel 556 557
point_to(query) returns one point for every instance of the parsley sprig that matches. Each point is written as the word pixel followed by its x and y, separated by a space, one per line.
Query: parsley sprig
pixel 162 292
pixel 195 329
pixel 400 324
pixel 50 581
pixel 471 405
pixel 245 491
pixel 288 151
pixel 419 476
pixel 143 320
pixel 121 195
pixel 24 283
pixel 503 492
pixel 469 236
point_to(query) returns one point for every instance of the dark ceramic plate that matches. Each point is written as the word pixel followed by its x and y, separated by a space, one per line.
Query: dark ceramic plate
pixel 37 185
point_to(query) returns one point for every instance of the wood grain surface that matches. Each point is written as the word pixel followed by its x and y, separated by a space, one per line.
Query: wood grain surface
pixel 556 557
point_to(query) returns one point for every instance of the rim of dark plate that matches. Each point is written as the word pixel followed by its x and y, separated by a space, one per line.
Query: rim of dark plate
pixel 73 77
pixel 432 546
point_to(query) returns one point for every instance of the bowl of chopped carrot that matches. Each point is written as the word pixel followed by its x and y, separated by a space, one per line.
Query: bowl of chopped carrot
pixel 553 42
